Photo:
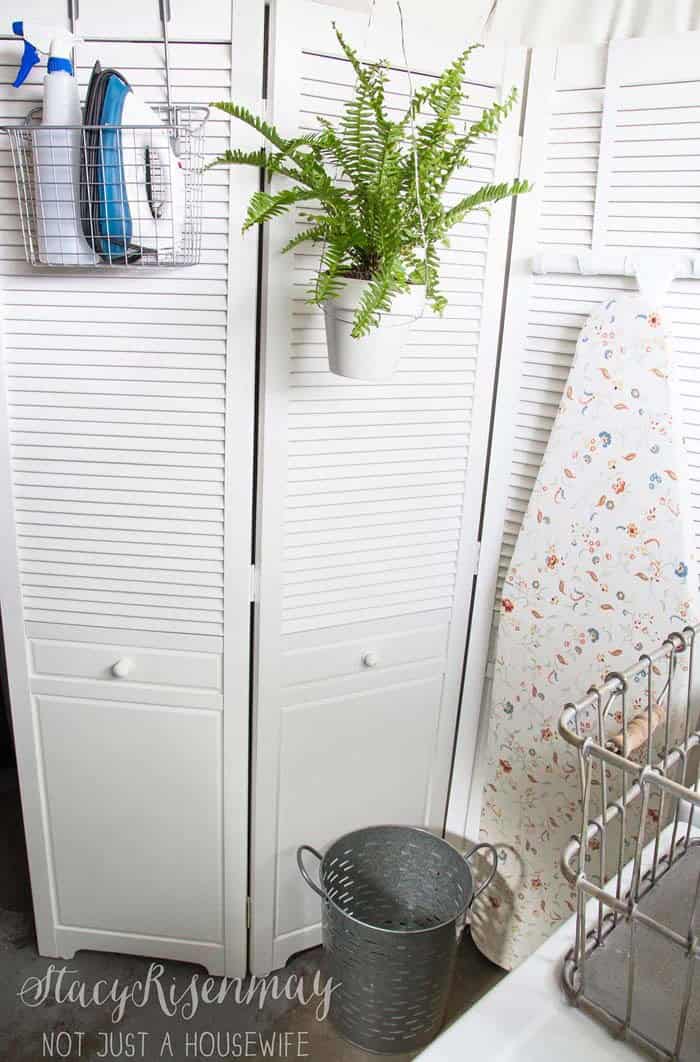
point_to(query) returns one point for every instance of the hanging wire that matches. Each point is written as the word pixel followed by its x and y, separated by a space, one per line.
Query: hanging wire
pixel 165 15
pixel 488 21
pixel 414 146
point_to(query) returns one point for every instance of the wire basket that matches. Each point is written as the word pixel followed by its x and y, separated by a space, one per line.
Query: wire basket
pixel 105 196
pixel 636 862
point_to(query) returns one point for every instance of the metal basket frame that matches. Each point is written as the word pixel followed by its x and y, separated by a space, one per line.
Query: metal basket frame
pixel 184 126
pixel 618 860
pixel 161 241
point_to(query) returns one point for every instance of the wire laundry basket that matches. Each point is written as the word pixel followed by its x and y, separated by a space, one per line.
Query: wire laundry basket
pixel 111 196
pixel 636 862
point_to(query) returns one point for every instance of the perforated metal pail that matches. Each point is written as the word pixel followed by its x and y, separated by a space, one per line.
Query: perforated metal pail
pixel 395 902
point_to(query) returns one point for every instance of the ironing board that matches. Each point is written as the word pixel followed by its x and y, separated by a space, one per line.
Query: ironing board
pixel 602 568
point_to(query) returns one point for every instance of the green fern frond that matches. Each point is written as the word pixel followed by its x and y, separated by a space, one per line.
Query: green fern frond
pixel 314 234
pixel 389 281
pixel 330 281
pixel 452 75
pixel 243 114
pixel 263 205
pixel 236 157
pixel 490 193
pixel 371 79
pixel 492 117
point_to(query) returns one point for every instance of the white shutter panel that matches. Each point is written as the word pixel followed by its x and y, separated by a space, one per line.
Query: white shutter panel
pixel 651 199
pixel 130 398
pixel 613 140
pixel 644 196
pixel 116 399
pixel 370 508
pixel 553 309
pixel 380 470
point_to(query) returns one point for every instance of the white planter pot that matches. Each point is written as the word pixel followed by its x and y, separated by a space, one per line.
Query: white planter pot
pixel 374 356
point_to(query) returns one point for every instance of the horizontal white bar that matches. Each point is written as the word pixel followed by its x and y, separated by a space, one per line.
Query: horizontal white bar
pixel 589 264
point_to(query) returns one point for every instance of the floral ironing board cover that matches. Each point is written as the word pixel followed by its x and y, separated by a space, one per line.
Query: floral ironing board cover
pixel 602 569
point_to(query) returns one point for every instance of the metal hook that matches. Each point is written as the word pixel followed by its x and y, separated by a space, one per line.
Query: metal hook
pixel 165 16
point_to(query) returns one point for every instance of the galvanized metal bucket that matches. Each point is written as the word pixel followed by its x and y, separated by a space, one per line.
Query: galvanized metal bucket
pixel 395 903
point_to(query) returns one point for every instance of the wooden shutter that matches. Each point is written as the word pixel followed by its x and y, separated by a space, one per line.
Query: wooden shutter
pixel 376 474
pixel 370 497
pixel 116 400
pixel 612 139
pixel 130 408
pixel 566 175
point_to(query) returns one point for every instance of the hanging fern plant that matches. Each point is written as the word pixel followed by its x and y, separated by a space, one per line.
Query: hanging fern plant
pixel 371 190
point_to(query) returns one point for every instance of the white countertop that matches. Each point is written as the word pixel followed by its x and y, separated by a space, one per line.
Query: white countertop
pixel 527 1018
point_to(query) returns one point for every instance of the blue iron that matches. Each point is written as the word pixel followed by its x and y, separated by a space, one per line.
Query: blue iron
pixel 105 212
pixel 114 216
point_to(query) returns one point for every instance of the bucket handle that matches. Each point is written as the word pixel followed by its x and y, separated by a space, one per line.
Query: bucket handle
pixel 494 868
pixel 304 872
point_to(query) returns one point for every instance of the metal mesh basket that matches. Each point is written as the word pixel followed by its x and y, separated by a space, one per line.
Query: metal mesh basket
pixel 106 196
pixel 395 902
pixel 636 862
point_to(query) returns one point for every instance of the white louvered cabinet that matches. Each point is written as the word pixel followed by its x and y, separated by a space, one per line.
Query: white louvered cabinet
pixel 130 400
pixel 369 508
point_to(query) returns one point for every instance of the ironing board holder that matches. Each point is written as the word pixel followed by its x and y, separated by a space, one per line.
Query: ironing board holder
pixel 653 272
pixel 589 263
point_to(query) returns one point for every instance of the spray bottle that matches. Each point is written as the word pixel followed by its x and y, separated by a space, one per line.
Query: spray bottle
pixel 56 148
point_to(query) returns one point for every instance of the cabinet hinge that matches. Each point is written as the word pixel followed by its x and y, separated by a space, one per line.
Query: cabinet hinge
pixel 490 668
pixel 253 595
pixel 477 558
pixel 247 912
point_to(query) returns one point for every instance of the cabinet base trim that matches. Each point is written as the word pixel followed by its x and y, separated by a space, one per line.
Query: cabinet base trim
pixel 284 947
pixel 210 956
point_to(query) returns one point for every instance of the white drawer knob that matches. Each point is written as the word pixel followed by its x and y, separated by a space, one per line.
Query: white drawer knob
pixel 123 667
pixel 370 659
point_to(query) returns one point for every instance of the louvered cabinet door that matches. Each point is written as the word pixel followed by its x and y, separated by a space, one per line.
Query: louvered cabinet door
pixel 370 497
pixel 612 139
pixel 129 399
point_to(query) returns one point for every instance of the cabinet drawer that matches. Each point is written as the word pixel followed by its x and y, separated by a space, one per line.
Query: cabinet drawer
pixel 372 651
pixel 120 671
